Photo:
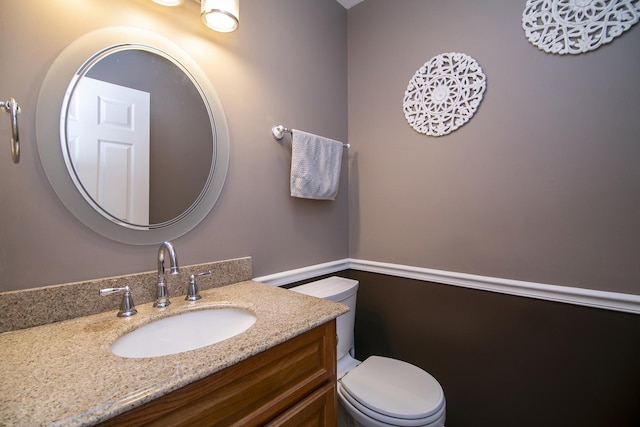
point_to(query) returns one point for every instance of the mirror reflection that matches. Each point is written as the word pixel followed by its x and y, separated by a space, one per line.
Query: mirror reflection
pixel 185 149
pixel 138 137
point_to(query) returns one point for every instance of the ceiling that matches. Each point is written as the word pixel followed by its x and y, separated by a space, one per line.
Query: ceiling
pixel 349 3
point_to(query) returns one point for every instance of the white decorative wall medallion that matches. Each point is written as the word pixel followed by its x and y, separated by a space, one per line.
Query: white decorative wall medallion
pixel 444 94
pixel 577 26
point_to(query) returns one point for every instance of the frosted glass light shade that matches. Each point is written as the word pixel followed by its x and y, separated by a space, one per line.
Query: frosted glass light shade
pixel 220 15
pixel 169 2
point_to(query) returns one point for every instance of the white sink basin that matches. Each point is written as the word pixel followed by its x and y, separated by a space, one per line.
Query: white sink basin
pixel 183 332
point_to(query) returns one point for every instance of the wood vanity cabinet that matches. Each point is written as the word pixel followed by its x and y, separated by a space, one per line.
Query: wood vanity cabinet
pixel 291 384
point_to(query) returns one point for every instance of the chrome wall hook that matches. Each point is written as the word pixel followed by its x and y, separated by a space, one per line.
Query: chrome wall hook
pixel 12 107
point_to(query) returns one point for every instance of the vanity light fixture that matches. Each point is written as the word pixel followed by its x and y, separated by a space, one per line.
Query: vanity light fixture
pixel 168 2
pixel 220 15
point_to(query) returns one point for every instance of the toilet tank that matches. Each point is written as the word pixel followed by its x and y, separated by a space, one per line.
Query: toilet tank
pixel 340 290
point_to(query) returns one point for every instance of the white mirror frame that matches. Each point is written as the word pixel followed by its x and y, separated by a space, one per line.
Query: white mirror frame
pixel 49 141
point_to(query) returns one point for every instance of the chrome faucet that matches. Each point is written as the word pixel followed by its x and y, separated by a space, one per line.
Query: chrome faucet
pixel 162 296
pixel 127 307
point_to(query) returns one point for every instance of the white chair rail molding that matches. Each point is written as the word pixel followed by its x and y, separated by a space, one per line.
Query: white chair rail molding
pixel 615 301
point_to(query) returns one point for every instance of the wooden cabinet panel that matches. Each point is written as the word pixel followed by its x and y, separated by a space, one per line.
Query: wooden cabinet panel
pixel 316 410
pixel 254 391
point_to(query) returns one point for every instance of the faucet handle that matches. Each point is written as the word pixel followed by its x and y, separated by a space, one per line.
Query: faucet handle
pixel 194 294
pixel 127 307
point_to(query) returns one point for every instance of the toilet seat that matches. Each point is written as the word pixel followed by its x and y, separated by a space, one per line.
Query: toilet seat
pixel 393 392
pixel 370 419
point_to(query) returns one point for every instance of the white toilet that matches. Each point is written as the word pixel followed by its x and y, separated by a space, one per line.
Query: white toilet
pixel 379 391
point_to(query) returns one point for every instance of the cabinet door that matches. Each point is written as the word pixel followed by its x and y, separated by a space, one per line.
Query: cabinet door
pixel 250 393
pixel 316 410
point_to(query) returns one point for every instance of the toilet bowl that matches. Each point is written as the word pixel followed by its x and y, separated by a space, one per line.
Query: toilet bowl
pixel 379 391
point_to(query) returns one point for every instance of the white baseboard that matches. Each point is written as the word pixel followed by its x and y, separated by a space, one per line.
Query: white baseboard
pixel 616 301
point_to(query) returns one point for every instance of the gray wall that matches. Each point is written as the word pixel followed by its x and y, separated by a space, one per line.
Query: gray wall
pixel 286 64
pixel 542 184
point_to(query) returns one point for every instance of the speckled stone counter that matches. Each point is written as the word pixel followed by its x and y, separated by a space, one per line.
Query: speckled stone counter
pixel 63 374
pixel 39 306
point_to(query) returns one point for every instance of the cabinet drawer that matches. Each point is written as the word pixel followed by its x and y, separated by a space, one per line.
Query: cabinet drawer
pixel 251 392
pixel 317 410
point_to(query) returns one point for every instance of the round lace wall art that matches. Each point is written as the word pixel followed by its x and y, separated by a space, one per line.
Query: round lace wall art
pixel 444 94
pixel 577 26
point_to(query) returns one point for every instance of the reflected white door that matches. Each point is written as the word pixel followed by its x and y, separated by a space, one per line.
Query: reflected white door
pixel 108 137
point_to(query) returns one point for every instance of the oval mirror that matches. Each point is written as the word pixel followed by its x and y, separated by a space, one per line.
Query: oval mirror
pixel 132 135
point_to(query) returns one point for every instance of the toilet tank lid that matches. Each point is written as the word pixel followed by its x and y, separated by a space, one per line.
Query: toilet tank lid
pixel 332 288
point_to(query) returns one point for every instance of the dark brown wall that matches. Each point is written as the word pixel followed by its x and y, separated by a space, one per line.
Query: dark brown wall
pixel 504 360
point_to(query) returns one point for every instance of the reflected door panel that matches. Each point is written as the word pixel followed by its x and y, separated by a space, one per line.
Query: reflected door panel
pixel 108 134
pixel 190 154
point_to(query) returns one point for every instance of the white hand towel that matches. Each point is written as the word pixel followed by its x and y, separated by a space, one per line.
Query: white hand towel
pixel 315 166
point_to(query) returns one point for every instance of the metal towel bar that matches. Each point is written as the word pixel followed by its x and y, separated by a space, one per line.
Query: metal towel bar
pixel 278 132
pixel 12 107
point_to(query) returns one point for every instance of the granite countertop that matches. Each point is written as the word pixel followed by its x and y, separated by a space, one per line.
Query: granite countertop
pixel 64 373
